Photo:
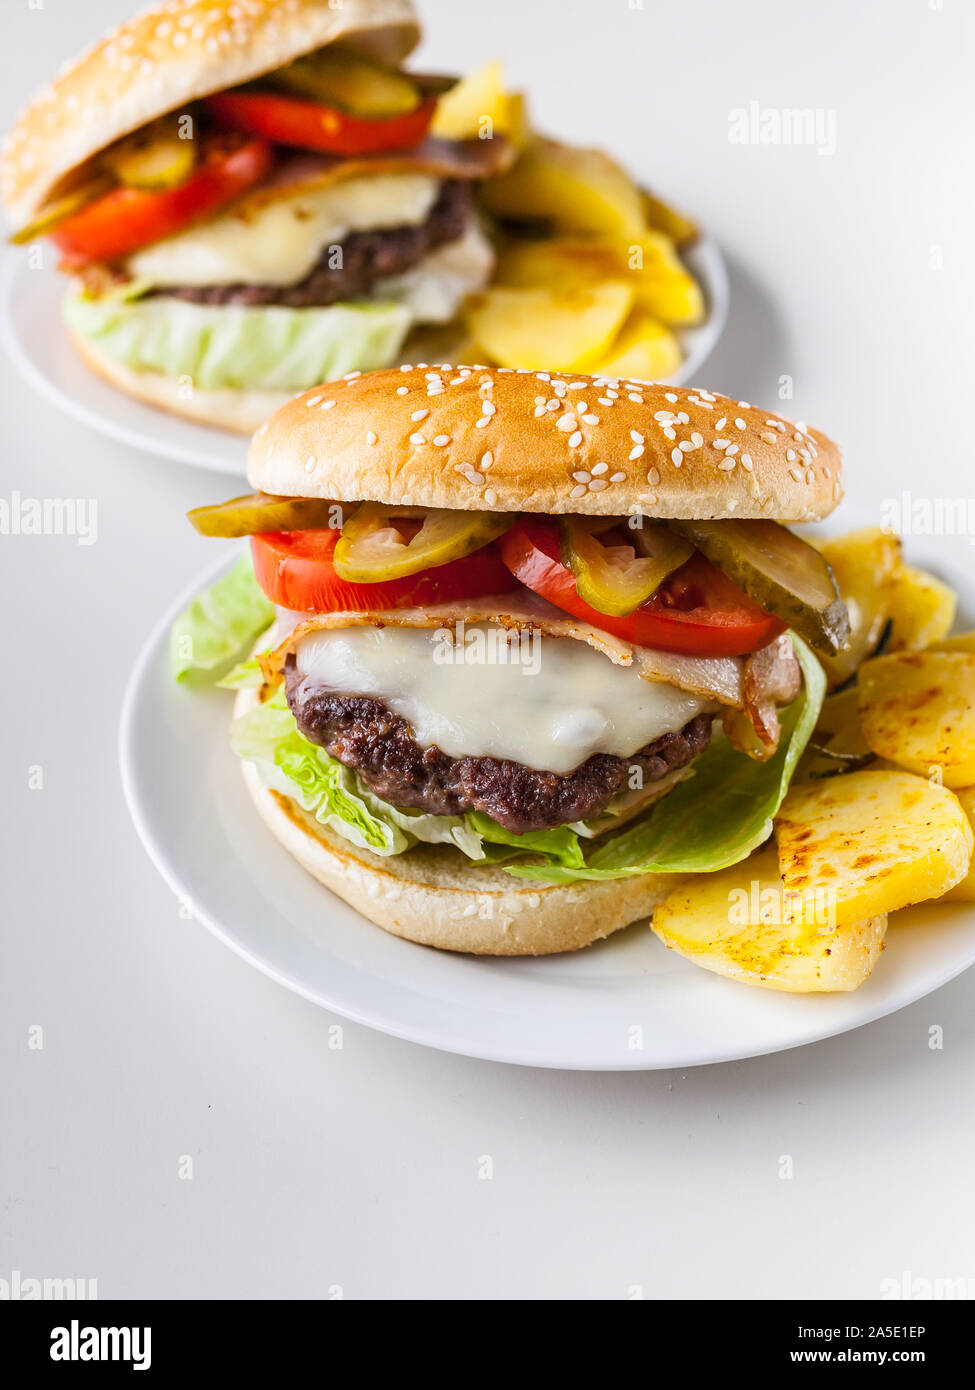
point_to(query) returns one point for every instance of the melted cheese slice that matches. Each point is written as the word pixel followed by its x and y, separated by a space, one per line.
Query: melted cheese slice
pixel 279 243
pixel 547 702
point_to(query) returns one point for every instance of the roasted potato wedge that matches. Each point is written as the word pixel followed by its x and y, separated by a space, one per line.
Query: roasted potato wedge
pixel 875 841
pixel 964 891
pixel 960 642
pixel 645 351
pixel 562 330
pixel 662 217
pixel 743 923
pixel 922 609
pixel 664 288
pixel 479 107
pixel 918 710
pixel 664 285
pixel 862 563
pixel 576 190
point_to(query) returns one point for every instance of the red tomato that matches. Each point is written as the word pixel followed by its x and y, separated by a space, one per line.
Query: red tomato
pixel 697 610
pixel 294 568
pixel 127 219
pixel 310 126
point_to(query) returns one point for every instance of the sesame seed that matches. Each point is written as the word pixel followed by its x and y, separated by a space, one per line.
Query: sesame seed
pixel 578 491
pixel 637 437
pixel 669 396
pixel 310 463
pixel 575 439
pixel 418 439
pixel 796 473
pixel 697 439
pixel 327 405
pixel 488 407
pixel 636 452
pixel 599 468
pixel 598 484
pixel 720 443
pixel 371 437
pixel 740 424
pixel 487 459
pixel 635 398
pixel 582 476
pixel 490 497
pixel 605 400
pixel 539 411
pixel 677 456
pixel 441 439
pixel 790 455
pixel 590 419
pixel 769 437
pixel 653 477
pixel 480 424
pixel 617 477
pixel 567 423
pixel 402 390
pixel 554 405
pixel 315 400
pixel 746 462
pixel 419 415
pixel 721 423
pixel 726 465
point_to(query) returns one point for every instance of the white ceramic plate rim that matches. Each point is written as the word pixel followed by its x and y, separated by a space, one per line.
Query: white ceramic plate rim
pixel 886 1002
pixel 199 446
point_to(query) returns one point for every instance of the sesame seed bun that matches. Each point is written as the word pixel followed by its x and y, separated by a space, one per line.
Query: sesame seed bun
pixel 166 57
pixel 489 438
pixel 434 896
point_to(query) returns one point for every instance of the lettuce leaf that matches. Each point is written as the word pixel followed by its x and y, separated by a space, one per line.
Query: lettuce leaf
pixel 269 738
pixel 268 348
pixel 717 817
pixel 220 625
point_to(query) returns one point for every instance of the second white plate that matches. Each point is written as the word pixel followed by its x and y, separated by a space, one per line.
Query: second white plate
pixel 36 341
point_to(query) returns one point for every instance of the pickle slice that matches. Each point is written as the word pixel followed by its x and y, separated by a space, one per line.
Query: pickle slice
pixel 154 157
pixel 355 85
pixel 617 579
pixel 60 210
pixel 373 547
pixel 260 512
pixel 780 571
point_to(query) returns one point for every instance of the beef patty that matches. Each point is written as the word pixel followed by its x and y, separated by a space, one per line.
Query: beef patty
pixel 366 257
pixel 366 735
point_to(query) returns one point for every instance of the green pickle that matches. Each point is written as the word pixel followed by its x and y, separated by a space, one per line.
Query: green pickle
pixel 780 571
pixel 618 579
pixel 372 548
pixel 353 84
pixel 260 512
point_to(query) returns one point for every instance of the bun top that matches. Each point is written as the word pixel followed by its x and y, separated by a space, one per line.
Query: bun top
pixel 173 54
pixel 495 439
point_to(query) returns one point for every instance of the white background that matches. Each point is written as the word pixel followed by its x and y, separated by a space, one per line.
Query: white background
pixel 359 1168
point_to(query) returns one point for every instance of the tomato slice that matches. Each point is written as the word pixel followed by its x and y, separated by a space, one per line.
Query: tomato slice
pixel 295 570
pixel 311 126
pixel 697 610
pixel 127 219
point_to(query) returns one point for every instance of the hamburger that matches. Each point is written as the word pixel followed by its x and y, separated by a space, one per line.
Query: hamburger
pixel 539 642
pixel 247 199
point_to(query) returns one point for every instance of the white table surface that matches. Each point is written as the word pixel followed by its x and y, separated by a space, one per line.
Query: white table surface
pixel 314 1168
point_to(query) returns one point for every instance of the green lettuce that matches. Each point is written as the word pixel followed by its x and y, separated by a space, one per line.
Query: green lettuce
pixel 717 817
pixel 268 737
pixel 268 348
pixel 220 625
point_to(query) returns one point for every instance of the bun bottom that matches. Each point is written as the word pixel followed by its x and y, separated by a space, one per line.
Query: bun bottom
pixel 241 412
pixel 433 895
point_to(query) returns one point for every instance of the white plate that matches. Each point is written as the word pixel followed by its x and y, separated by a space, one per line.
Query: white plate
pixel 35 339
pixel 626 1003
